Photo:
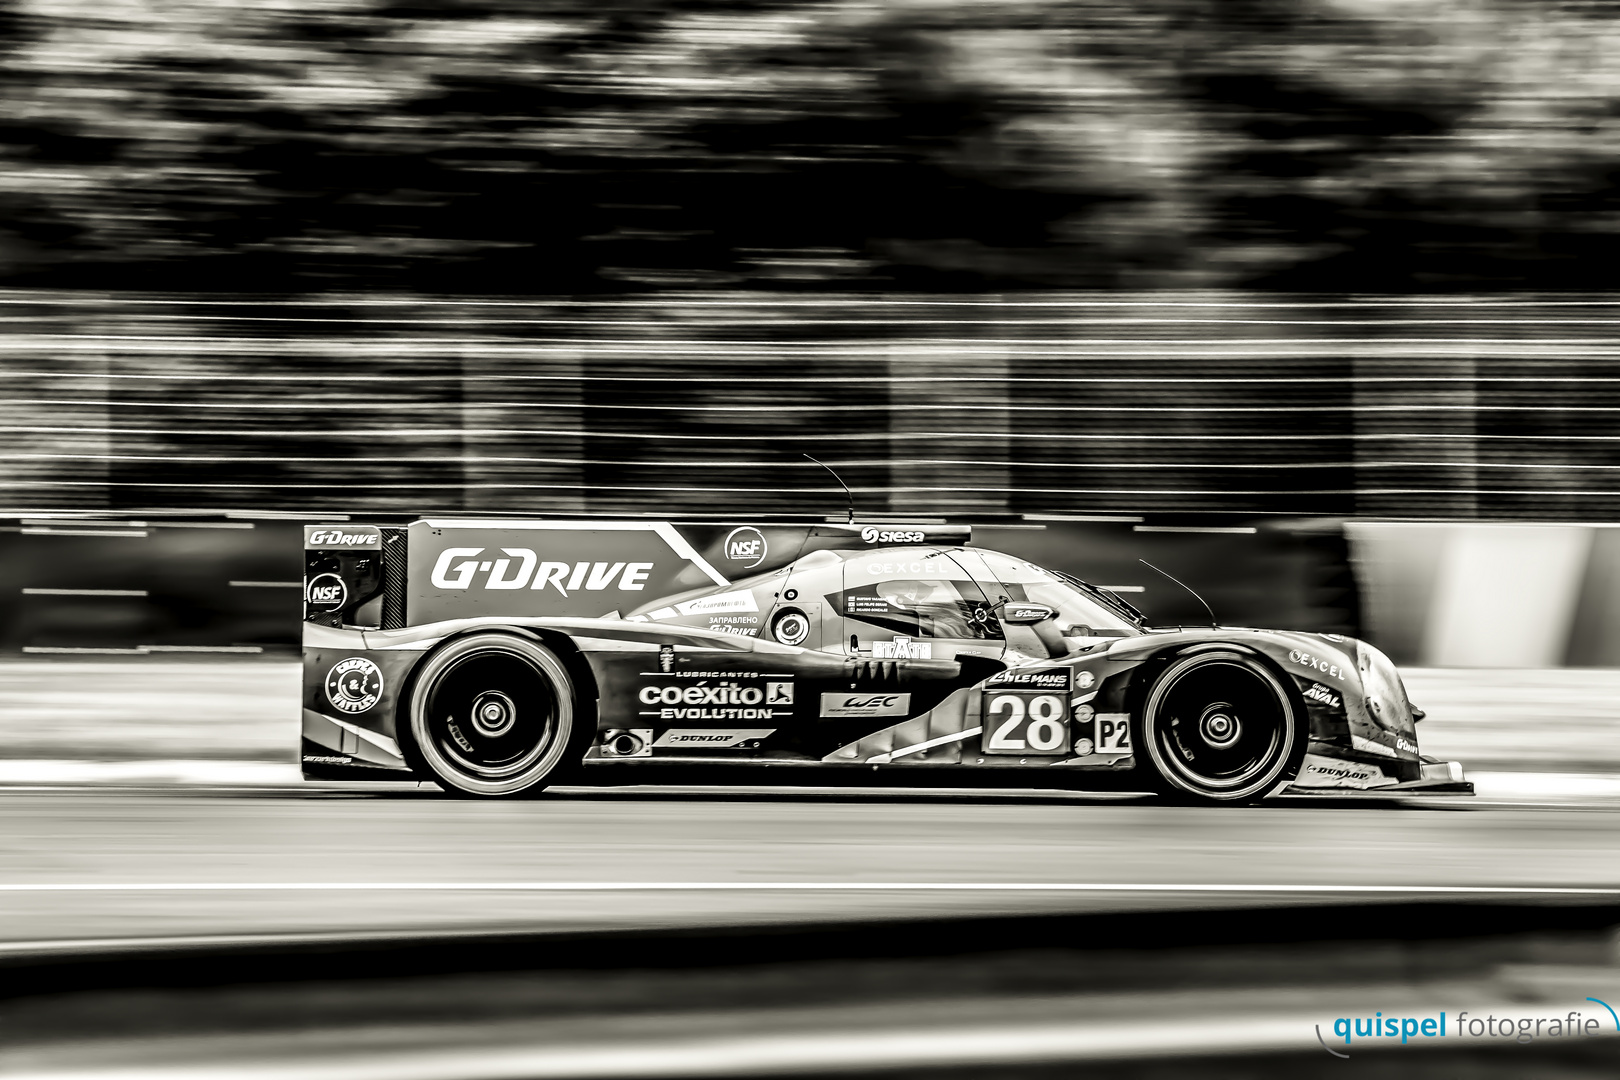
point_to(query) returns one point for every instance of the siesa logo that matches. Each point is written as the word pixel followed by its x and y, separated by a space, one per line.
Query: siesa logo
pixel 747 546
pixel 872 535
pixel 339 538
pixel 326 592
pixel 354 685
pixel 533 574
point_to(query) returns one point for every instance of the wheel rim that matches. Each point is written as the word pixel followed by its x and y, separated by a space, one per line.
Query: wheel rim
pixel 491 715
pixel 1220 727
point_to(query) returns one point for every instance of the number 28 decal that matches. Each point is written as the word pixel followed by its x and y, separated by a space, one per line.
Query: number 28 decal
pixel 1024 723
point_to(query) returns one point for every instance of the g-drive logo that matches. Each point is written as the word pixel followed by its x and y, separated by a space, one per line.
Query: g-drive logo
pixel 460 567
pixel 872 535
pixel 330 538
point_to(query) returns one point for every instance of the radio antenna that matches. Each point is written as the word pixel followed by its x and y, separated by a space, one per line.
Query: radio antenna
pixel 1186 586
pixel 847 493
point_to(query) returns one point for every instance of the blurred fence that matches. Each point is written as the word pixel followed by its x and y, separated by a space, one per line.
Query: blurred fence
pixel 666 405
pixel 84 585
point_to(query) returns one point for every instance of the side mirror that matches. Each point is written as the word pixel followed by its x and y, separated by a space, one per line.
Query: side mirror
pixel 1023 613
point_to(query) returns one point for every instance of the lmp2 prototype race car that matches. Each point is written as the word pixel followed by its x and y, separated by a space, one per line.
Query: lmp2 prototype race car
pixel 497 657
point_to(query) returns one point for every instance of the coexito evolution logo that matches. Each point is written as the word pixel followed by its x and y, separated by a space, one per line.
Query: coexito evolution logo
pixel 1526 1026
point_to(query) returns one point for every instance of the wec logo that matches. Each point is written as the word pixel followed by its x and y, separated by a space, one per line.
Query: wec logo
pixel 872 535
pixel 533 574
pixel 865 705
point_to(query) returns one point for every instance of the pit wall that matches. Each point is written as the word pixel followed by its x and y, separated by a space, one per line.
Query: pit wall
pixel 1477 595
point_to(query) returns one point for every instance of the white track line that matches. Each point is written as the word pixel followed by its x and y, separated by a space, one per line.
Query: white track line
pixel 700 1054
pixel 794 886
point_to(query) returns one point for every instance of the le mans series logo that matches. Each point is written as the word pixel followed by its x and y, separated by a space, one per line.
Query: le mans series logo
pixel 354 685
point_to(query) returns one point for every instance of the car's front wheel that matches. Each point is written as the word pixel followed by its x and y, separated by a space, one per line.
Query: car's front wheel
pixel 493 714
pixel 1220 727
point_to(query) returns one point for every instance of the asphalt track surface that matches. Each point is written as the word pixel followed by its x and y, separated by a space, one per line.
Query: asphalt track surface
pixel 87 865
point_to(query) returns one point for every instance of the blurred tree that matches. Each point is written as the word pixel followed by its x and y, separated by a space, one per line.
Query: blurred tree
pixel 498 145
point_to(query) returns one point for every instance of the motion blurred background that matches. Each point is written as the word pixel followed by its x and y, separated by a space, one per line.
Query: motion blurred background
pixel 1309 301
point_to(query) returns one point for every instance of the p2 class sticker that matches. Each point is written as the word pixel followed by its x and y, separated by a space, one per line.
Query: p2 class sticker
pixel 1025 722
pixel 354 685
pixel 1113 733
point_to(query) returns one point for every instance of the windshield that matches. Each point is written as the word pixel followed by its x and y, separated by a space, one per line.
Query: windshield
pixel 1082 610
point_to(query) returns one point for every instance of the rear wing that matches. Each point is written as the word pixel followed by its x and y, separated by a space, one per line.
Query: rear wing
pixel 390 577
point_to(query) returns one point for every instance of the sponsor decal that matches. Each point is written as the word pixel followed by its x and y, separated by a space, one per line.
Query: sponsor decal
pixel 1085 680
pixel 354 685
pixel 1403 745
pixel 1367 746
pixel 1323 696
pixel 327 759
pixel 747 546
pixel 727 699
pixel 708 605
pixel 1025 679
pixel 902 648
pixel 666 658
pixel 927 567
pixel 317 537
pixel 326 592
pixel 519 568
pixel 863 705
pixel 741 625
pixel 873 535
pixel 1322 772
pixel 1015 612
pixel 715 738
pixel 1315 663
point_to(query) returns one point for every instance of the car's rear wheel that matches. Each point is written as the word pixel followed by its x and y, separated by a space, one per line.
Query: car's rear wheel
pixel 493 714
pixel 1220 727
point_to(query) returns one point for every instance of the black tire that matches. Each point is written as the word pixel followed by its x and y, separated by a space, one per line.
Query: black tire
pixel 493 715
pixel 1220 727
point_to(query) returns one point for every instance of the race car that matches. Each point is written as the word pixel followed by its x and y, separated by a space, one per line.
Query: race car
pixel 497 657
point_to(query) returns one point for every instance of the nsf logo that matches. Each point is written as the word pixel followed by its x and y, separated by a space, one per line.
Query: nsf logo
pixel 747 546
